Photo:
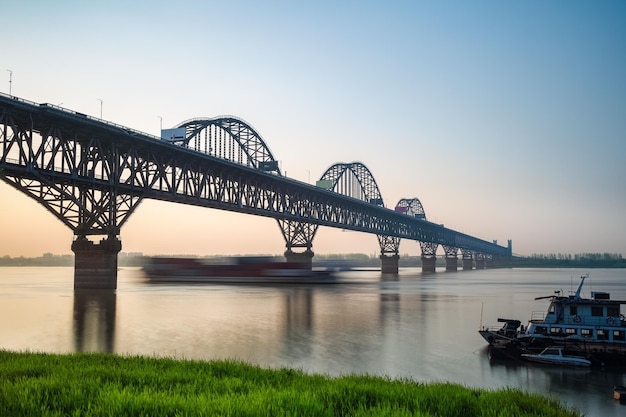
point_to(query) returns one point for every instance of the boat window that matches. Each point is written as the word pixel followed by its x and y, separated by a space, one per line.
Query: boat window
pixel 551 309
pixel 603 334
pixel 573 310
pixel 570 331
pixel 541 330
pixel 597 311
pixel 619 335
pixel 551 352
pixel 612 311
pixel 555 330
pixel 586 332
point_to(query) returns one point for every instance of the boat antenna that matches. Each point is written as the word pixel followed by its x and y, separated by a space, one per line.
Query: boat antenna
pixel 580 286
pixel 482 304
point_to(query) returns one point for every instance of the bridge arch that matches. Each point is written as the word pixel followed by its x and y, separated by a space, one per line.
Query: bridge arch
pixel 412 207
pixel 354 180
pixel 228 137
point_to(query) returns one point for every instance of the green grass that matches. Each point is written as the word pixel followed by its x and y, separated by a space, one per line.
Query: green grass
pixel 38 384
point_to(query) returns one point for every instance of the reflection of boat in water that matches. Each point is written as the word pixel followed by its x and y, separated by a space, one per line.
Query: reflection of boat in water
pixel 555 356
pixel 235 270
pixel 590 327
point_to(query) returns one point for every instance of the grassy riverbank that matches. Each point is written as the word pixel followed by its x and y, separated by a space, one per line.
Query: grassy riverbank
pixel 37 384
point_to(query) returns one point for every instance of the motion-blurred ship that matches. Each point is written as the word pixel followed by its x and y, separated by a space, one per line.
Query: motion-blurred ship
pixel 233 270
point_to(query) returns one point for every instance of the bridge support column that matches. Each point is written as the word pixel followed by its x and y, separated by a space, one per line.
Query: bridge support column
pixel 480 261
pixel 467 260
pixel 452 264
pixel 429 256
pixel 304 258
pixel 389 264
pixel 95 264
pixel 452 259
pixel 468 264
pixel 428 264
pixel 489 262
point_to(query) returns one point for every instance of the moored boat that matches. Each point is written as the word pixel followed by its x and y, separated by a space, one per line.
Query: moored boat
pixel 555 356
pixel 590 327
pixel 508 332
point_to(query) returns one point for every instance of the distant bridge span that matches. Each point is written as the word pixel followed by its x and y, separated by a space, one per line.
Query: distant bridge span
pixel 92 174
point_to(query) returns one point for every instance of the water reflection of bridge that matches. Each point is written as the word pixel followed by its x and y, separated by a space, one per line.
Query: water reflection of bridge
pixel 92 175
pixel 94 320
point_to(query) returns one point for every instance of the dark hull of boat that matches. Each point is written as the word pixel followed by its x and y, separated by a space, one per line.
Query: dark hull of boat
pixel 599 353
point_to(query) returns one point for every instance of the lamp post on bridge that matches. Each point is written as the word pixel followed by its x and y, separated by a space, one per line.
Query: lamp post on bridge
pixel 160 125
pixel 100 108
pixel 10 80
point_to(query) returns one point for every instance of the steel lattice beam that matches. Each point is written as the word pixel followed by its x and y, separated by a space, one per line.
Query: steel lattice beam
pixel 92 175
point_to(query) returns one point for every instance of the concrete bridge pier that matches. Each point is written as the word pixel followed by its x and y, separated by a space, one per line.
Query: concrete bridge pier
pixel 467 260
pixel 428 263
pixel 429 256
pixel 304 258
pixel 452 259
pixel 468 264
pixel 480 261
pixel 452 264
pixel 95 264
pixel 389 264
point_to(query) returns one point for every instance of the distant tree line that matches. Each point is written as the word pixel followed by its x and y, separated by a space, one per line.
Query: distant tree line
pixel 49 259
pixel 560 260
pixel 586 260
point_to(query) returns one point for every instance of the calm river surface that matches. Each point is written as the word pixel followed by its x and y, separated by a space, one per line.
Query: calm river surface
pixel 413 325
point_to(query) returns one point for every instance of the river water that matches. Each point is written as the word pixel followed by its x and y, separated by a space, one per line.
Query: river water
pixel 410 325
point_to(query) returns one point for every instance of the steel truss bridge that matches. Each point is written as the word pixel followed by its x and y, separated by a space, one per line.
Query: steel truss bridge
pixel 92 175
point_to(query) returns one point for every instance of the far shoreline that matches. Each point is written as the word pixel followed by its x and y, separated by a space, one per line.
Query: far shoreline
pixel 359 260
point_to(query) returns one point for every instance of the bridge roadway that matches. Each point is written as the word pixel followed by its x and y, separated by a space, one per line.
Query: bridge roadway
pixel 92 174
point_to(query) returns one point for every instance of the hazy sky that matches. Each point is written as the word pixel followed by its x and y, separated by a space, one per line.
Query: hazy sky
pixel 506 119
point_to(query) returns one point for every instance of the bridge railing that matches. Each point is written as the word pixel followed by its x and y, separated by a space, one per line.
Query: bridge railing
pixel 82 115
